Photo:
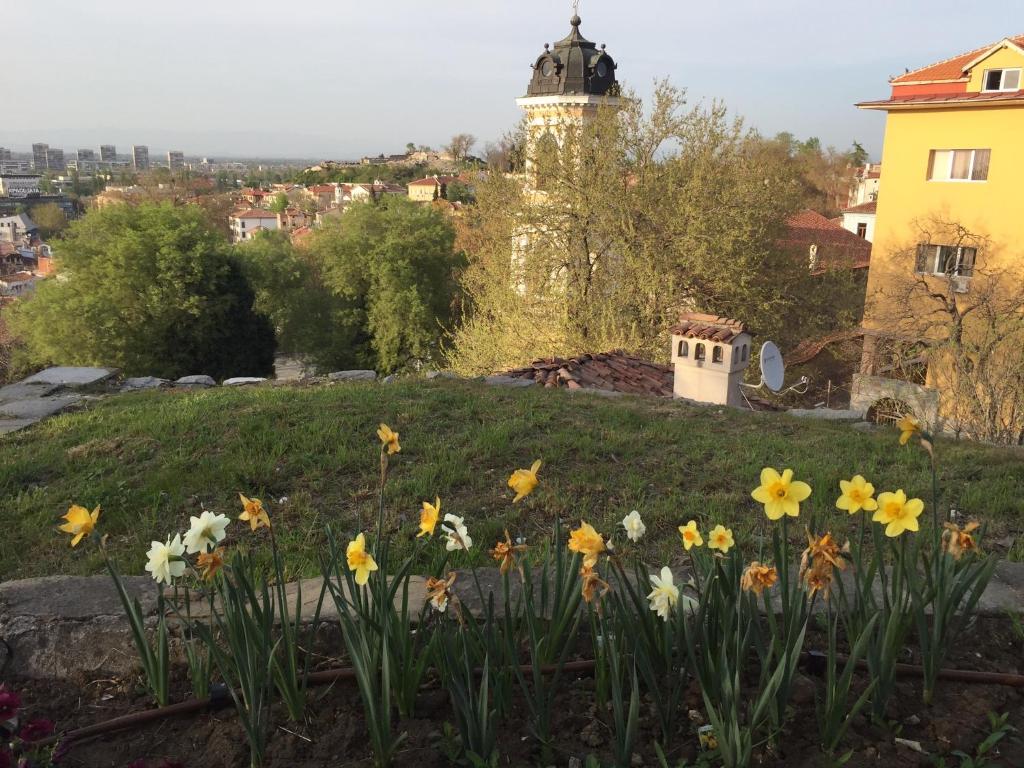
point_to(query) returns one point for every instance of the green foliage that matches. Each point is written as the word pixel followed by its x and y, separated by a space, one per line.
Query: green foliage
pixel 49 218
pixel 149 289
pixel 393 264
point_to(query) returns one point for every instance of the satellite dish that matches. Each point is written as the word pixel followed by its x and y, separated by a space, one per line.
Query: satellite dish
pixel 773 370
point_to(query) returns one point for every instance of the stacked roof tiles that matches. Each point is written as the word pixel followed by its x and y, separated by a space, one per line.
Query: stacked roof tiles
pixel 611 371
pixel 698 325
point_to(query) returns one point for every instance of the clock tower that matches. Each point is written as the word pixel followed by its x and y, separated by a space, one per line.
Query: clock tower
pixel 571 80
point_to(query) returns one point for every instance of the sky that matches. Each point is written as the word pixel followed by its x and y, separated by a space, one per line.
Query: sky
pixel 337 79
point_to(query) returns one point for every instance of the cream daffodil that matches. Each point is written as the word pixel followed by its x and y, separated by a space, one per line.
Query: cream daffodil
pixel 665 594
pixel 205 533
pixel 165 559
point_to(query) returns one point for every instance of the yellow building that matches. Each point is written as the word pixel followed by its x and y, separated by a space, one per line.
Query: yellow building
pixel 950 212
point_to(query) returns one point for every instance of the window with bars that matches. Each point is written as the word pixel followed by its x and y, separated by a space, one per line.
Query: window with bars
pixel 945 260
pixel 959 164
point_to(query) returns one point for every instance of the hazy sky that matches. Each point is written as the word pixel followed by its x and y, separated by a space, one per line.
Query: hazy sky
pixel 341 78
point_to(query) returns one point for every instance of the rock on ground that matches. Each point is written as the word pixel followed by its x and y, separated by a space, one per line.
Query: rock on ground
pixel 241 381
pixel 66 376
pixel 508 381
pixel 827 414
pixel 353 376
pixel 139 383
pixel 198 382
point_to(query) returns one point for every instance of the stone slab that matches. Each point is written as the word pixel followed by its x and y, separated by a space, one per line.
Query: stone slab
pixel 23 390
pixel 431 375
pixel 66 376
pixel 509 381
pixel 353 376
pixel 241 381
pixel 139 383
pixel 196 382
pixel 827 414
pixel 15 425
pixel 39 407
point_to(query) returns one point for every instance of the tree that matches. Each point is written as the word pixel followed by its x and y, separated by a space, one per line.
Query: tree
pixel 457 192
pixel 394 265
pixel 150 289
pixel 632 218
pixel 460 146
pixel 410 148
pixel 279 204
pixel 954 320
pixel 858 155
pixel 49 218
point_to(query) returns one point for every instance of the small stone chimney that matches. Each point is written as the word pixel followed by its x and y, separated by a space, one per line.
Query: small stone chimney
pixel 710 354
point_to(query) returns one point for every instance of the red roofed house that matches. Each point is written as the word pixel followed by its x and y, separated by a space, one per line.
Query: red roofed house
pixel 824 243
pixel 431 188
pixel 245 224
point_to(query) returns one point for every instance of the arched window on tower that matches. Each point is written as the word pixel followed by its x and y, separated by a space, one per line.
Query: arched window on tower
pixel 699 352
pixel 684 349
pixel 716 354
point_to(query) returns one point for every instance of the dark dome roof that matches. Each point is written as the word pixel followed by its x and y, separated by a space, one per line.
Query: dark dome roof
pixel 574 66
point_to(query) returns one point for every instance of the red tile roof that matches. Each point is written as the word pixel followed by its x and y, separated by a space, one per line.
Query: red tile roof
pixel 698 325
pixel 254 214
pixel 611 371
pixel 940 99
pixel 950 69
pixel 837 247
pixel 871 207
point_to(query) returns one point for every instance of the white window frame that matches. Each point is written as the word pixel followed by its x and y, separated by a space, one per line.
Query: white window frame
pixel 1002 80
pixel 932 266
pixel 952 161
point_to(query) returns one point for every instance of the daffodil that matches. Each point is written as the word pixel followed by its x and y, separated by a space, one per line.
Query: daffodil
pixel 206 532
pixel 439 592
pixel 429 516
pixel 208 563
pixel 758 577
pixel 388 439
pixel 635 528
pixel 253 513
pixel 505 553
pixel 665 594
pixel 587 542
pixel 165 559
pixel 959 540
pixel 857 494
pixel 80 522
pixel 721 539
pixel 457 534
pixel 780 494
pixel 360 561
pixel 898 513
pixel 523 481
pixel 592 585
pixel 690 535
pixel 908 425
pixel 819 562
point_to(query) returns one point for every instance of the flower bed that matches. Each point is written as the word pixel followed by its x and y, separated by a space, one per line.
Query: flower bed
pixel 717 657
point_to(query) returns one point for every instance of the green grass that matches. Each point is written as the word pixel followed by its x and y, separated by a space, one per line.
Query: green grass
pixel 153 459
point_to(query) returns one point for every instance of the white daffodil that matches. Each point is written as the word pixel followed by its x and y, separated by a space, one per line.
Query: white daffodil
pixel 634 526
pixel 207 531
pixel 165 559
pixel 665 594
pixel 455 531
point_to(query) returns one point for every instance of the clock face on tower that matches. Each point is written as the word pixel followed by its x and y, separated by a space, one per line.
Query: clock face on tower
pixel 547 69
pixel 602 69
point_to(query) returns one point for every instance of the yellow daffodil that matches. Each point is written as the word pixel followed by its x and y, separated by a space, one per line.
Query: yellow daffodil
pixel 898 513
pixel 80 522
pixel 721 539
pixel 857 494
pixel 758 577
pixel 505 553
pixel 780 494
pixel 253 513
pixel 592 586
pixel 959 540
pixel 523 481
pixel 665 594
pixel 388 439
pixel 691 536
pixel 209 563
pixel 908 425
pixel 439 592
pixel 819 562
pixel 587 542
pixel 429 517
pixel 360 561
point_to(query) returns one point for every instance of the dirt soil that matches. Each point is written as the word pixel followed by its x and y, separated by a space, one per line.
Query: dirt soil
pixel 335 735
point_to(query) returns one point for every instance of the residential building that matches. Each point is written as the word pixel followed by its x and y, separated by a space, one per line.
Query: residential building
pixel 5 155
pixel 108 153
pixel 824 244
pixel 950 217
pixel 55 160
pixel 140 157
pixel 17 284
pixel 15 228
pixel 860 220
pixel 322 194
pixel 176 160
pixel 431 188
pixel 19 184
pixel 39 156
pixel 245 224
pixel 866 182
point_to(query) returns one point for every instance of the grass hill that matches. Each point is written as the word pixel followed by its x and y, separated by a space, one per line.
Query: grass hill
pixel 153 459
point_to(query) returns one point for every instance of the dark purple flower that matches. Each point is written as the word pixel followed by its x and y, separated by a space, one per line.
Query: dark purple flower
pixel 9 704
pixel 37 729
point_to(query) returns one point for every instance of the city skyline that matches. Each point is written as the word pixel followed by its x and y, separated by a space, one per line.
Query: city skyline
pixel 342 79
